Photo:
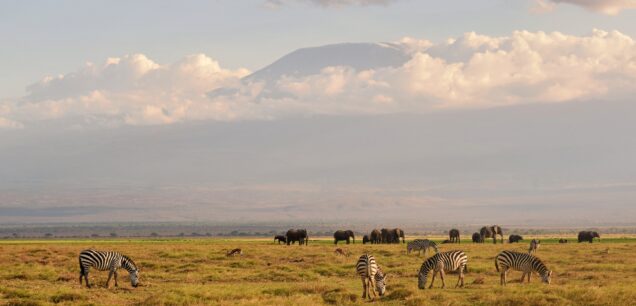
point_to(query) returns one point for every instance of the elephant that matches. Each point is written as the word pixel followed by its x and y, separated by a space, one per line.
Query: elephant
pixel 280 239
pixel 392 235
pixel 588 236
pixel 386 235
pixel 343 235
pixel 491 232
pixel 514 238
pixel 454 236
pixel 365 239
pixel 399 233
pixel 477 238
pixel 376 236
pixel 299 235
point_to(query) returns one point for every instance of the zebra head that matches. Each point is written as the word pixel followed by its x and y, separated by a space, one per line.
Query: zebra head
pixel 380 282
pixel 547 277
pixel 134 277
pixel 421 279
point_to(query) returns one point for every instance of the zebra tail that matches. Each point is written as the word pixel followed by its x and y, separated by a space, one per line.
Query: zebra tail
pixel 466 269
pixel 496 264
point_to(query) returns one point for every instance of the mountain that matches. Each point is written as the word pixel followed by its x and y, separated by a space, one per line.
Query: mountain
pixel 308 61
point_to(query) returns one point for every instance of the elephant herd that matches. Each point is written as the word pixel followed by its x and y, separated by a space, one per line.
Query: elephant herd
pixel 292 236
pixel 385 236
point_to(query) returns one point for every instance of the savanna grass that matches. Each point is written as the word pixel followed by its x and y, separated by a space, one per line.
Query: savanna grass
pixel 197 272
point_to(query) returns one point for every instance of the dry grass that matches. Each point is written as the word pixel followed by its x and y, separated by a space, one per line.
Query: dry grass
pixel 197 272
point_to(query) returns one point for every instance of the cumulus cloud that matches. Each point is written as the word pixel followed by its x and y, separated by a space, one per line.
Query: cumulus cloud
pixel 329 3
pixel 471 71
pixel 131 89
pixel 609 7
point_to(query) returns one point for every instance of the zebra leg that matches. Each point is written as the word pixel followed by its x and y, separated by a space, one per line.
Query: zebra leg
pixel 523 276
pixel 88 285
pixel 110 274
pixel 364 288
pixel 461 278
pixel 529 273
pixel 441 275
pixel 432 279
pixel 115 274
pixel 372 285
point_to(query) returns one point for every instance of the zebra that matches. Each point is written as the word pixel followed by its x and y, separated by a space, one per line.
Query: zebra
pixel 419 245
pixel 534 245
pixel 107 260
pixel 441 262
pixel 373 279
pixel 526 263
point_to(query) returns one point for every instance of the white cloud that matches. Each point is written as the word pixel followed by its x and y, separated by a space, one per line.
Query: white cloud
pixel 128 90
pixel 609 7
pixel 472 71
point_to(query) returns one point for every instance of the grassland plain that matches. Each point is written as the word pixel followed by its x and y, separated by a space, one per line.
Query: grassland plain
pixel 197 272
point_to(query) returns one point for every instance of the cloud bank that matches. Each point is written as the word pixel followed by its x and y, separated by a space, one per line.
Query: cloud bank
pixel 471 71
pixel 609 7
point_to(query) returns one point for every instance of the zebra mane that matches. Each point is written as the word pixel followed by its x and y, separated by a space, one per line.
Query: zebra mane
pixel 429 264
pixel 128 263
pixel 540 266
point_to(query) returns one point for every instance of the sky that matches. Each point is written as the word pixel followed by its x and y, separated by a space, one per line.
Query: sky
pixel 295 109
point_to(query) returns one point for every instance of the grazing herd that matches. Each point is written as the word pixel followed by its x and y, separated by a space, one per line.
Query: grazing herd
pixel 372 276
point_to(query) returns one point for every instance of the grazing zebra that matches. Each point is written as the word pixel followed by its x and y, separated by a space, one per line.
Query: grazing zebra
pixel 521 262
pixel 419 245
pixel 103 261
pixel 563 240
pixel 534 245
pixel 442 262
pixel 373 280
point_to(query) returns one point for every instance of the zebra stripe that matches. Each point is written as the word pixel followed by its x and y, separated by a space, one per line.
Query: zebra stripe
pixel 521 262
pixel 107 260
pixel 443 262
pixel 373 279
pixel 419 245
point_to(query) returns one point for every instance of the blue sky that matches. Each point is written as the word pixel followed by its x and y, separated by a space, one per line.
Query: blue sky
pixel 41 38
